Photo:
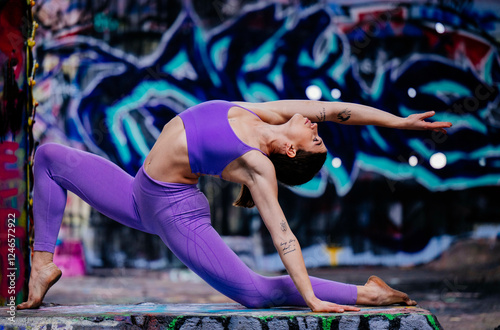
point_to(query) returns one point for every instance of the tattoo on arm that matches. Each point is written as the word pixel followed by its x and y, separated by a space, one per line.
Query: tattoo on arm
pixel 283 226
pixel 288 247
pixel 344 115
pixel 322 115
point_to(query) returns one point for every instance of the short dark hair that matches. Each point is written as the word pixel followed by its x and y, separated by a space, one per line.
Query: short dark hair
pixel 289 171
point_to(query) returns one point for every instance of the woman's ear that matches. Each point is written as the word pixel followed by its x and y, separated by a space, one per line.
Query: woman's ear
pixel 290 150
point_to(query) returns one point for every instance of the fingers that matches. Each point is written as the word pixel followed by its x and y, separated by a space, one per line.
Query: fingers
pixel 348 308
pixel 351 308
pixel 334 308
pixel 427 114
pixel 439 126
pixel 442 124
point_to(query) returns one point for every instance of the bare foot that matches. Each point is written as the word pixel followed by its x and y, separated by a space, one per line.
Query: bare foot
pixel 376 292
pixel 41 279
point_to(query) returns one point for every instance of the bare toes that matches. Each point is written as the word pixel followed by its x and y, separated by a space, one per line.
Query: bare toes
pixel 387 295
pixel 40 283
pixel 23 305
pixel 410 302
pixel 28 304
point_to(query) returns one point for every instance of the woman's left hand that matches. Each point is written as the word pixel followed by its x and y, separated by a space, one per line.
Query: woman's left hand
pixel 417 122
pixel 320 306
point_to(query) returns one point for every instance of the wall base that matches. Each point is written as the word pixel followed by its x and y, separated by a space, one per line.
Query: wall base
pixel 215 316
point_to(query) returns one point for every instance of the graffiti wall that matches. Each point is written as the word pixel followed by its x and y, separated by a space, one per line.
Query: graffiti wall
pixel 17 69
pixel 114 72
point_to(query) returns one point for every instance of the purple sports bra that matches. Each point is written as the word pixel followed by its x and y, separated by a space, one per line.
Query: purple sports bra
pixel 211 142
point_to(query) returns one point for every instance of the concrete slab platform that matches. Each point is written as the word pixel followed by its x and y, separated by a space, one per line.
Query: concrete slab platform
pixel 213 316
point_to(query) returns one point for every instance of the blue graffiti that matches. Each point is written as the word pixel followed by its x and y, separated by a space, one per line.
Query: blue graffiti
pixel 115 103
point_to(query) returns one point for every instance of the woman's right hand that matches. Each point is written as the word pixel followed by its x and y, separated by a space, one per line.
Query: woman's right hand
pixel 417 121
pixel 320 306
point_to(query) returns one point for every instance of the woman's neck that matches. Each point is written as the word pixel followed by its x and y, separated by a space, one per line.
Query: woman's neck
pixel 270 138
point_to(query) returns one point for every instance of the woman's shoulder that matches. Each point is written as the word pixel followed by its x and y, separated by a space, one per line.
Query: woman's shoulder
pixel 248 167
pixel 265 111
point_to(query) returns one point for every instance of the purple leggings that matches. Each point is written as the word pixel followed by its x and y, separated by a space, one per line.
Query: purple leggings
pixel 178 213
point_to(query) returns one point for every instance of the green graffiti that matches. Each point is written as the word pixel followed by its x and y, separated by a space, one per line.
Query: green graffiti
pixel 171 326
pixel 327 322
pixel 432 321
pixel 391 317
pixel 266 318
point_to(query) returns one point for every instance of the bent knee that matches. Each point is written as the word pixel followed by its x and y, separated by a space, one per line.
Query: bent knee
pixel 57 157
pixel 255 302
pixel 48 152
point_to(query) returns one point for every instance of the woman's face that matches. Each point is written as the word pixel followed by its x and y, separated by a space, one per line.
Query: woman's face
pixel 304 134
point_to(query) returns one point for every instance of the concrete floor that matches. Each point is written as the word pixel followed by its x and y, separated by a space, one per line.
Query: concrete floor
pixel 458 300
pixel 217 317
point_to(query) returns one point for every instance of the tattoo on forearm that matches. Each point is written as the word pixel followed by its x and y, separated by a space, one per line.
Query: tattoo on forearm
pixel 283 225
pixel 344 115
pixel 322 115
pixel 288 247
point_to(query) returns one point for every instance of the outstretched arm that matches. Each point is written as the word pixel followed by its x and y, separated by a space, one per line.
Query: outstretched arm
pixel 277 112
pixel 263 187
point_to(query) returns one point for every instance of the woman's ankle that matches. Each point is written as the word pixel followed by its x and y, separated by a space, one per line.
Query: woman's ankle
pixel 366 295
pixel 41 258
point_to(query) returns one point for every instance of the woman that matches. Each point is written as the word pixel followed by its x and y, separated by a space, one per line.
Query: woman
pixel 254 144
